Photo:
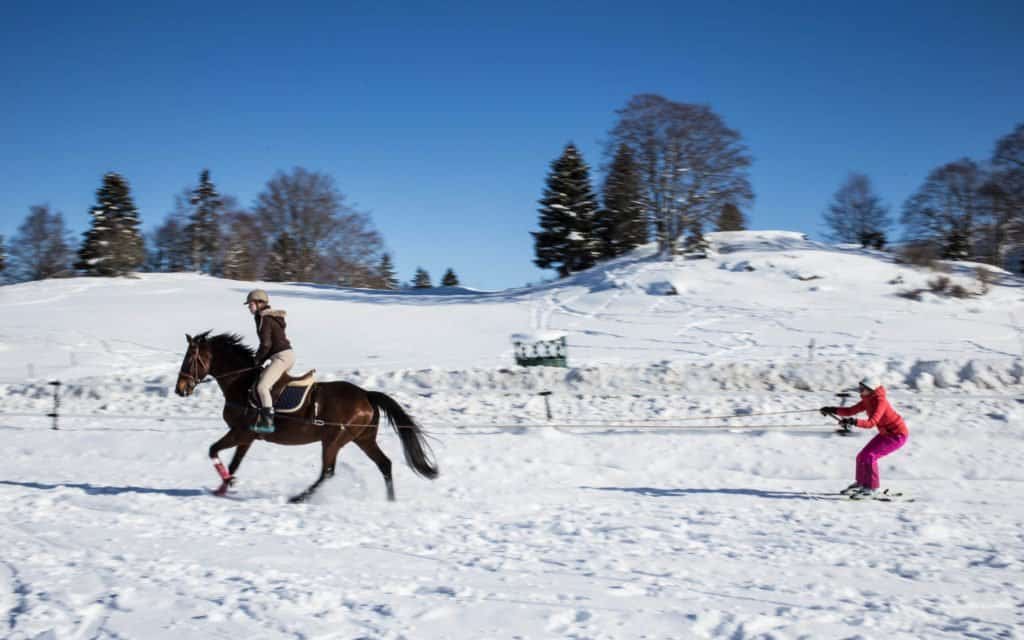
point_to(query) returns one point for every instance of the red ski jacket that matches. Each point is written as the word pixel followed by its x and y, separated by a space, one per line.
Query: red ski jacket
pixel 880 414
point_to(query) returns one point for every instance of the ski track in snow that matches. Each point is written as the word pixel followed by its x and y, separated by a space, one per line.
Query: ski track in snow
pixel 539 534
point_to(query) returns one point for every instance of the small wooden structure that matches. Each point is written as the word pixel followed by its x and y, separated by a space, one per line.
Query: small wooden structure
pixel 541 349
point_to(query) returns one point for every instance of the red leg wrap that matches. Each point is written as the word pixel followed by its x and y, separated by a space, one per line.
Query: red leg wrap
pixel 222 471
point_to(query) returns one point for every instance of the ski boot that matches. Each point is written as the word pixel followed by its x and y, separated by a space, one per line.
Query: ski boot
pixel 850 490
pixel 866 493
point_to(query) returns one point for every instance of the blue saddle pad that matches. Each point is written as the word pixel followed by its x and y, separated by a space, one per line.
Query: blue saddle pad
pixel 290 399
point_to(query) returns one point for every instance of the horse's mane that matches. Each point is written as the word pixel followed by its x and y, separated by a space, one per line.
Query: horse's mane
pixel 229 342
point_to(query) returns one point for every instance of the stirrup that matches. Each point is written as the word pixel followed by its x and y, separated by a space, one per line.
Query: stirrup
pixel 265 422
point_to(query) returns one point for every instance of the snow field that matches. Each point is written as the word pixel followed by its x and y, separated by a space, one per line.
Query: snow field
pixel 533 530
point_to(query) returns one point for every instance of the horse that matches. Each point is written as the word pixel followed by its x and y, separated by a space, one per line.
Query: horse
pixel 335 414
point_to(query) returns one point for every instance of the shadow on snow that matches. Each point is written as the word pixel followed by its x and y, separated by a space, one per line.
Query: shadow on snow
pixel 655 492
pixel 101 490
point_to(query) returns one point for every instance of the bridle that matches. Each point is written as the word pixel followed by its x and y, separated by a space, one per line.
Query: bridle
pixel 196 365
pixel 193 373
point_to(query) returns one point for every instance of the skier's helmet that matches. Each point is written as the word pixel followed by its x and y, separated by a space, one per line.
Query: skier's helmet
pixel 870 383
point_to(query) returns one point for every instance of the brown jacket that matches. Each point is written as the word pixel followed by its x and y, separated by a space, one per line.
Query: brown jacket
pixel 270 326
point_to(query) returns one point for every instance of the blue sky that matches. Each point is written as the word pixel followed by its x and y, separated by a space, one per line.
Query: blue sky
pixel 440 120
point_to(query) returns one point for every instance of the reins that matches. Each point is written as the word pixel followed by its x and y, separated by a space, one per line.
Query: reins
pixel 193 375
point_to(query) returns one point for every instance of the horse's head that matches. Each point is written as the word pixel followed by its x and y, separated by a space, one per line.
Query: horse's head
pixel 195 366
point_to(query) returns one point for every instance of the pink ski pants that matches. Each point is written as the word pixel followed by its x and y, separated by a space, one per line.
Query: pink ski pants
pixel 867 460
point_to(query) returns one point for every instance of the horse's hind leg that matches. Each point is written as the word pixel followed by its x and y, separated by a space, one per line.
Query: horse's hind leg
pixel 329 453
pixel 371 449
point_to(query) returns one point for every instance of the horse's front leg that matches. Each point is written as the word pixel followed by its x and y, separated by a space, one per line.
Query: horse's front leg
pixel 236 460
pixel 230 439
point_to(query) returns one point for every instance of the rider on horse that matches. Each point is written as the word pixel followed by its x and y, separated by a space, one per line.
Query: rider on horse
pixel 275 348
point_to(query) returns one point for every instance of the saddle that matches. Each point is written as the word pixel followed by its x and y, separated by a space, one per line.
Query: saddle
pixel 289 393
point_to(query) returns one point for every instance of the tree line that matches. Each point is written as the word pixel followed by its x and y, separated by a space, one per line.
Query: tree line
pixel 673 169
pixel 964 210
pixel 300 228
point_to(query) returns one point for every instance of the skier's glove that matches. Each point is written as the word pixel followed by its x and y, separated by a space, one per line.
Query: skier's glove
pixel 828 411
pixel 848 422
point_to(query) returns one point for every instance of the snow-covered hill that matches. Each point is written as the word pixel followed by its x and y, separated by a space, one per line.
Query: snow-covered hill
pixel 762 298
pixel 541 531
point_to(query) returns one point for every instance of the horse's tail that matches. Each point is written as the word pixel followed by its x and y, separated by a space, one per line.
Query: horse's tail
pixel 417 451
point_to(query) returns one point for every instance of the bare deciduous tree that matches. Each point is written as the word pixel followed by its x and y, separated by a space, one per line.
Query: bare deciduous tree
pixel 3 260
pixel 1010 149
pixel 331 242
pixel 947 209
pixel 1004 195
pixel 691 162
pixel 856 214
pixel 169 247
pixel 41 248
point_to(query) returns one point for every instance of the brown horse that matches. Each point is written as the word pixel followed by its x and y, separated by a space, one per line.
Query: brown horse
pixel 335 414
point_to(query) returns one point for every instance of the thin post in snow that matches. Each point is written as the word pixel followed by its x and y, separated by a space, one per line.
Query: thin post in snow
pixel 56 403
pixel 547 404
pixel 1020 332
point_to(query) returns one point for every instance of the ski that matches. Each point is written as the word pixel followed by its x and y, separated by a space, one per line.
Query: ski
pixel 887 495
pixel 894 496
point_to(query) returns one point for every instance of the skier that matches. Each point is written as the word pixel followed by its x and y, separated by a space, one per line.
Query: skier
pixel 274 348
pixel 892 434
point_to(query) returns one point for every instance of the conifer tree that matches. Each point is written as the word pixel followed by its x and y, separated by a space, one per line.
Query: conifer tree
pixel 204 225
pixel 113 245
pixel 957 244
pixel 622 224
pixel 386 273
pixel 421 280
pixel 237 260
pixel 450 279
pixel 565 241
pixel 3 259
pixel 245 247
pixel 731 218
pixel 696 245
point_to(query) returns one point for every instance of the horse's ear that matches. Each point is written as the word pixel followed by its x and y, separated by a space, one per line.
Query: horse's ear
pixel 189 338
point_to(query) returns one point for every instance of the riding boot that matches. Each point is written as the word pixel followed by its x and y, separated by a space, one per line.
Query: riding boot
pixel 265 424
